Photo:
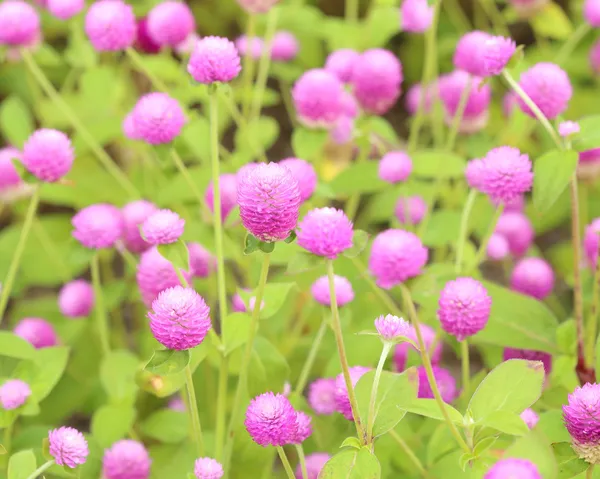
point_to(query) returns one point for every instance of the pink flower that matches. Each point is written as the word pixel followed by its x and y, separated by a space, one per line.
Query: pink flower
pixel 144 41
pixel 48 155
pixel 469 53
pixel 433 345
pixel 395 167
pixel 595 57
pixel 530 418
pixel 202 262
pixel 343 290
pixel 591 12
pixel 170 22
pixel 444 380
pixel 304 173
pixel 476 112
pixel 65 9
pixel 498 247
pixel 257 6
pixel 228 185
pixel 341 62
pixel 325 232
pixel 214 59
pixel 391 327
pixel 285 47
pixel 98 226
pixel 474 173
pixel 158 118
pixel 163 227
pixel 19 23
pixel 416 16
pixel 68 447
pixel 568 128
pixel 129 129
pixel 110 25
pixel 581 420
pixel 343 131
pixel 342 401
pixel 304 431
pixel 314 464
pixel 37 331
pixel 208 468
pixel 155 274
pixel 517 230
pixel 497 52
pixel 533 277
pixel 134 214
pixel 9 176
pixel 76 299
pixel 14 393
pixel 512 467
pixel 509 101
pixel 506 173
pixel 416 206
pixel 256 46
pixel 271 420
pixel 549 88
pixel 591 242
pixel 318 98
pixel 126 459
pixel 321 396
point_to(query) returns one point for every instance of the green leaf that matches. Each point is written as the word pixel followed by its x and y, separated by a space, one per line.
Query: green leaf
pixel 117 374
pixel 250 244
pixel 16 122
pixel 301 262
pixel 291 238
pixel 177 253
pixel 381 24
pixel 111 423
pixel 360 239
pixel 14 346
pixel 506 422
pixel 268 368
pixel 552 173
pixel 569 464
pixel 552 425
pixel 535 448
pixel 50 366
pixel 168 361
pixel 442 228
pixel 430 408
pixel 352 464
pixel 358 178
pixel 21 465
pixel 266 247
pixel 589 134
pixel 167 426
pixel 308 144
pixel 438 164
pixel 196 136
pixel 551 21
pixel 236 329
pixel 275 297
pixel 258 134
pixel 351 442
pixel 484 445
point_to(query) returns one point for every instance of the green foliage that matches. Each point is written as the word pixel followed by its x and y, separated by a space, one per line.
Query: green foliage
pixel 166 362
pixel 552 22
pixel 552 173
pixel 111 423
pixel 16 123
pixel 176 253
pixel 352 463
pixel 167 426
pixel 21 465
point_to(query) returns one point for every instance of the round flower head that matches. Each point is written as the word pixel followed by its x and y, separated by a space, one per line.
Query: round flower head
pixel 321 396
pixel 343 131
pixel 256 46
pixel 469 53
pixel 350 106
pixel 416 16
pixel 208 468
pixel 98 226
pixel 549 88
pixel 68 447
pixel 269 200
pixel 376 80
pixel 304 423
pixel 529 355
pixel 65 9
pixel 591 242
pixel 318 98
pixel 271 420
pixel 395 167
pixel 144 41
pixel 158 118
pixel 431 341
pixel 110 25
pixel 76 299
pixel 19 23
pixel 444 380
pixel 582 420
pixel 180 318
pixel 476 112
pixel 186 47
pixel 214 59
pixel 285 47
pixel 304 173
pixel 202 262
pixel 36 331
pixel 517 230
pixel 134 214
pixel 343 290
pixel 498 247
pixel 464 307
pixel 342 401
pixel 314 464
pixel 416 207
pixel 244 170
pixel 413 98
pixel 594 57
pixel 238 304
pixel 14 393
pixel 9 176
pixel 530 418
pixel 126 459
pixel 474 172
pixel 129 129
pixel 228 184
pixel 341 63
pixel 48 155
pixel 568 128
pixel 391 327
pixel 396 255
pixel 505 174
pixel 591 12
pixel 497 52
pixel 155 274
pixel 325 232
pixel 257 6
pixel 588 167
pixel 170 22
pixel 163 227
pixel 512 467
pixel 533 277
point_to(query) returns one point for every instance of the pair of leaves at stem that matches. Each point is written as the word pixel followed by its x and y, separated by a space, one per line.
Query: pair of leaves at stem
pixel 166 362
pixel 253 244
pixel 176 253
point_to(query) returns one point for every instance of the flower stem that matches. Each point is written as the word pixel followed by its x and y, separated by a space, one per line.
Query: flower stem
pixel 569 46
pixel 339 339
pixel 7 285
pixel 459 114
pixel 264 64
pixel 380 293
pixel 138 61
pixel 577 286
pixel 351 10
pixel 286 464
pixel 466 371
pixel 302 460
pixel 482 251
pixel 190 182
pixel 464 224
pixel 593 319
pixel 221 406
pixel 38 472
pixel 248 67
pixel 589 474
pixel 310 359
pixel 408 451
pixel 371 418
pixel 7 444
pixel 193 409
pixel 101 316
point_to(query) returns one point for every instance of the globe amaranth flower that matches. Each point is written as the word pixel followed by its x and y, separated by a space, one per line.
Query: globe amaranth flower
pixel 110 25
pixel 98 226
pixel 325 232
pixel 513 467
pixel 158 118
pixel 318 98
pixel 228 187
pixel 143 40
pixel 588 167
pixel 65 9
pixel 155 274
pixel 528 8
pixel 208 468
pixel 126 459
pixel 170 22
pixel 413 98
pixel 14 393
pixel 391 327
pixel 343 131
pixel 416 206
pixel 163 227
pixel 68 447
pixel 591 242
pixel 271 420
pixel 179 318
pixel 253 47
pixel 257 6
pixel 530 418
pixel 549 88
pixel 498 247
pixel 48 155
pixel 591 12
pixel 474 172
pixel 202 262
pixel 377 80
pixel 464 307
pixel 304 424
pixel 529 355
pixel 134 214
pixel 129 129
pixel 517 230
pixel 395 167
pixel 19 23
pixel 284 47
pixel 582 419
pixel 214 59
pixel 594 57
pixel 497 52
pixel 396 255
pixel 186 47
pixel 9 176
pixel 476 113
pixel 269 200
pixel 76 299
pixel 432 343
pixel 416 15
pixel 444 380
pixel 314 464
pixel 505 174
pixel 469 53
pixel 341 63
pixel 509 102
pixel 533 277
pixel 321 396
pixel 37 331
pixel 343 290
pixel 342 401
pixel 568 128
pixel 304 173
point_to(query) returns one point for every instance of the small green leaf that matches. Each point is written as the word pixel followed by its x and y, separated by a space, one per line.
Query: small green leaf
pixel 381 24
pixel 21 465
pixel 360 239
pixel 308 144
pixel 268 368
pixel 168 361
pixel 111 423
pixel 14 346
pixel 589 134
pixel 430 408
pixel 351 442
pixel 301 262
pixel 259 134
pixel 569 464
pixel 352 464
pixel 506 422
pixel 358 178
pixel 291 238
pixel 266 247
pixel 167 426
pixel 535 448
pixel 250 244
pixel 177 253
pixel 117 374
pixel 438 164
pixel 552 173
pixel 551 21
pixel 484 445
pixel 235 329
pixel 464 460
pixel 16 122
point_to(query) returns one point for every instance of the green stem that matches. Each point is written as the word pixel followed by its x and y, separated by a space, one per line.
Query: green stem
pixel 310 359
pixel 193 409
pixel 190 182
pixel 286 464
pixel 380 293
pixel 589 474
pixel 221 406
pixel 495 16
pixel 466 371
pixel 482 251
pixel 100 307
pixel 351 11
pixel 593 319
pixel 569 46
pixel 464 225
pixel 457 16
pixel 302 460
pixel 264 64
pixel 459 114
pixel 7 444
pixel 371 417
pixel 288 102
pixel 38 472
pixel 363 154
pixel 409 452
pixel 7 285
pixel 138 61
pixel 248 67
pixel 577 282
pixel 181 277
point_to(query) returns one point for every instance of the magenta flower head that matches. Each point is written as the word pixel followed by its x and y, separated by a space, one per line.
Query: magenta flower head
pixel 155 274
pixel 163 227
pixel 342 401
pixel 343 131
pixel 549 88
pixel 464 307
pixel 208 468
pixel 76 299
pixel 582 420
pixel 431 341
pixel 506 173
pixel 533 277
pixel 529 355
pixel 214 59
pixel 48 155
pixel 591 12
pixel 416 16
pixel 304 423
pixel 517 230
pixel 469 53
pixel 411 208
pixel 318 98
pixel 134 214
pixel 9 176
pixel 513 467
pixel 304 173
pixel 591 242
pixel 228 186
pixel 325 232
pixel 594 57
pixel 180 318
pixel 474 173
pixel 271 420
pixel 321 396
pixel 254 46
pixel 202 262
pixel 568 128
pixel 19 23
pixel 14 393
pixel 395 167
pixel 126 459
pixel 498 247
pixel 391 327
pixel 445 382
pixel 36 331
pixel 144 41
pixel 129 129
pixel 170 22
pixel 589 164
pixel 413 98
pixel 497 52
pixel 285 47
pixel 65 9
pixel 269 200
pixel 530 418
pixel 341 63
pixel 314 464
pixel 158 118
pixel 343 290
pixel 396 255
pixel 110 25
pixel 257 6
pixel 98 226
pixel 376 80
pixel 476 112
pixel 68 447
